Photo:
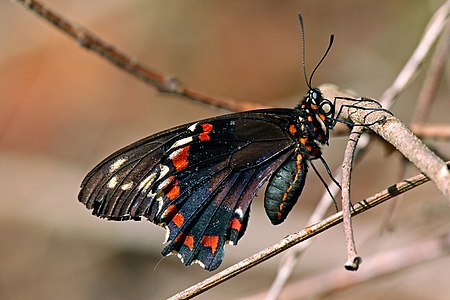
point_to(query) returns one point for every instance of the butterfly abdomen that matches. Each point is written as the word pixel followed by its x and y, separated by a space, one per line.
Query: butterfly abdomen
pixel 284 188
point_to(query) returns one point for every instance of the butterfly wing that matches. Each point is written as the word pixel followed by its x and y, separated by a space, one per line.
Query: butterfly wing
pixel 196 180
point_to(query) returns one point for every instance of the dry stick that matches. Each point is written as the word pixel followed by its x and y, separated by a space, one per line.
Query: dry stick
pixel 382 265
pixel 353 260
pixel 422 110
pixel 432 80
pixel 296 238
pixel 165 84
pixel 434 29
pixel 434 131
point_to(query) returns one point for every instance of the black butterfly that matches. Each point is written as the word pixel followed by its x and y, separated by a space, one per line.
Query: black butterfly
pixel 198 180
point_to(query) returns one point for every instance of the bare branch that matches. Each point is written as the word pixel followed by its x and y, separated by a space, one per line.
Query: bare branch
pixel 353 260
pixel 435 131
pixel 384 264
pixel 434 29
pixel 296 238
pixel 164 83
pixel 434 76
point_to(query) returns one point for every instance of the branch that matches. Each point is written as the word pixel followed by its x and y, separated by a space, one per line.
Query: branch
pixel 164 83
pixel 353 260
pixel 395 132
pixel 298 237
pixel 384 264
pixel 434 29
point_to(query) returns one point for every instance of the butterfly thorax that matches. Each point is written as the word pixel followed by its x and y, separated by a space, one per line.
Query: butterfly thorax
pixel 312 124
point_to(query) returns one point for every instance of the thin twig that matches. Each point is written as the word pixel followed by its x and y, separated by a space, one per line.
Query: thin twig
pixel 164 83
pixel 435 131
pixel 434 29
pixel 302 235
pixel 434 77
pixel 382 265
pixel 353 260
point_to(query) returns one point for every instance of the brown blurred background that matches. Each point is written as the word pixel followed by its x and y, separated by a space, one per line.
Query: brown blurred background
pixel 63 109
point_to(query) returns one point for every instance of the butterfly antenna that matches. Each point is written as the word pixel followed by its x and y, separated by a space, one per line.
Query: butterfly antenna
pixel 323 57
pixel 302 27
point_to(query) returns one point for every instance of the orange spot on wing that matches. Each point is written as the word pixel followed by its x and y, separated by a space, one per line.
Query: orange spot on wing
pixel 303 140
pixel 170 210
pixel 310 119
pixel 314 107
pixel 180 161
pixel 206 130
pixel 178 219
pixel 174 192
pixel 189 242
pixel 235 224
pixel 292 129
pixel 322 117
pixel 210 241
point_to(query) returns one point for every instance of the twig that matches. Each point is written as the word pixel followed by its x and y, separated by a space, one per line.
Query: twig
pixel 434 76
pixel 434 131
pixel 164 83
pixel 434 29
pixel 353 260
pixel 382 265
pixel 302 235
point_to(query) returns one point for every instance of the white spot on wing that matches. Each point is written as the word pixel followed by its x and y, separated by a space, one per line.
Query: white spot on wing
pixel 112 182
pixel 182 142
pixel 147 182
pixel 166 237
pixel 117 164
pixel 175 153
pixel 239 212
pixel 127 186
pixel 192 127
pixel 164 171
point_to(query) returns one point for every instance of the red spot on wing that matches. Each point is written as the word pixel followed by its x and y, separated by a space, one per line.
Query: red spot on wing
pixel 204 136
pixel 292 129
pixel 210 241
pixel 180 161
pixel 235 224
pixel 170 211
pixel 174 191
pixel 178 219
pixel 189 242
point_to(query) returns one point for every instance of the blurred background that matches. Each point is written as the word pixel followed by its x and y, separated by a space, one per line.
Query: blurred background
pixel 63 109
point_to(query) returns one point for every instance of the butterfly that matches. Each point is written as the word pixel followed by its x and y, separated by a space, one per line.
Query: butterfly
pixel 198 180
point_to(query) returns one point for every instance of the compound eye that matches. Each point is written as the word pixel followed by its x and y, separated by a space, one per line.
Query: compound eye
pixel 327 107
